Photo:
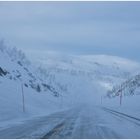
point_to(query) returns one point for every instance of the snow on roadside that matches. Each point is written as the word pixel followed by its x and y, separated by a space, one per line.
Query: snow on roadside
pixel 36 104
pixel 130 105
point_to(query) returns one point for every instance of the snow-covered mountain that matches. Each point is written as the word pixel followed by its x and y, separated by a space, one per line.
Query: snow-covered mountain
pixel 129 87
pixel 17 74
pixel 86 76
pixel 15 66
pixel 53 81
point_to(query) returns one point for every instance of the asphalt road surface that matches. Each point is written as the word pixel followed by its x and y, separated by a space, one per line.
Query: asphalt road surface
pixel 80 122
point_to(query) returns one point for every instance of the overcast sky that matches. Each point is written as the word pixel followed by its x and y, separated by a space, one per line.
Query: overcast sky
pixel 73 27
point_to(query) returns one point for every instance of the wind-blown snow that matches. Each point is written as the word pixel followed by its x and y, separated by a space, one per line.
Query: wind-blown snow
pixel 59 82
pixel 103 70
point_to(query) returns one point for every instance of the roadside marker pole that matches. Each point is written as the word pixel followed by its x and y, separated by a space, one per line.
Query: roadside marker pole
pixel 23 100
pixel 121 99
pixel 121 96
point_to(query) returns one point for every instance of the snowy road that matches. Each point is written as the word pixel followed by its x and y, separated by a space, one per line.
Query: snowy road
pixel 81 122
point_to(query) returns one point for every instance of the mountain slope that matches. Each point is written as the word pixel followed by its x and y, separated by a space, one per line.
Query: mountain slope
pixel 129 87
pixel 73 79
pixel 85 77
pixel 17 73
pixel 22 71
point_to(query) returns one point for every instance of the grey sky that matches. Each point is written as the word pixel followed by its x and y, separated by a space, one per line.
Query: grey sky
pixel 73 27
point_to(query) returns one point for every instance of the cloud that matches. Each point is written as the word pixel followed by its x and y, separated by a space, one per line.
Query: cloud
pixel 72 27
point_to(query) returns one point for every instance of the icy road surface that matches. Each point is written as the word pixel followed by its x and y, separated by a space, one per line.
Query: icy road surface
pixel 81 122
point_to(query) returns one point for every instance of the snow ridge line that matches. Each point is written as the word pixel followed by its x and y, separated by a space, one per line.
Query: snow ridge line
pixel 122 114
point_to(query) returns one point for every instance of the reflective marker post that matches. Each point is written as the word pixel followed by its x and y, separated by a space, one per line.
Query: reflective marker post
pixel 121 96
pixel 121 99
pixel 23 100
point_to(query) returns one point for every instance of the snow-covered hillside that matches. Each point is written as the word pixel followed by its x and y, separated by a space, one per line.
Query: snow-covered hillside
pixel 15 66
pixel 129 87
pixel 54 81
pixel 16 72
pixel 86 75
